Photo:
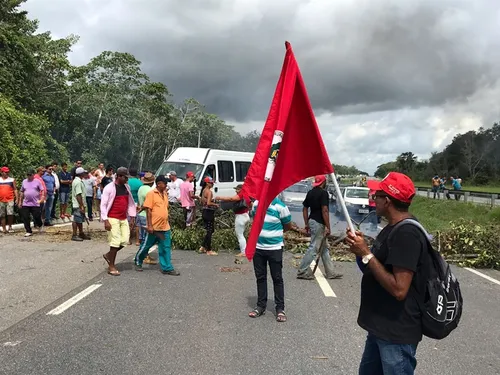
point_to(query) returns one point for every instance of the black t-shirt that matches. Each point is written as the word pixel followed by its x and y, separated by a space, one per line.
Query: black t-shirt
pixel 380 313
pixel 106 180
pixel 315 200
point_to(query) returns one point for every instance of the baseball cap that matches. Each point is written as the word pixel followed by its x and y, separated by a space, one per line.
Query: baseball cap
pixel 30 172
pixel 398 186
pixel 189 174
pixel 172 173
pixel 239 187
pixel 208 180
pixel 80 170
pixel 373 184
pixel 5 169
pixel 122 171
pixel 318 180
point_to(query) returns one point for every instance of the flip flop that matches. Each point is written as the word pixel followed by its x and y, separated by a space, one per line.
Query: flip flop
pixel 114 273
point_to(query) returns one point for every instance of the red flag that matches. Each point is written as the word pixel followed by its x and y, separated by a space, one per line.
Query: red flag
pixel 292 133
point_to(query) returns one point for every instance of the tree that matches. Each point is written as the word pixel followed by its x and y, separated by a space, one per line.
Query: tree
pixel 406 162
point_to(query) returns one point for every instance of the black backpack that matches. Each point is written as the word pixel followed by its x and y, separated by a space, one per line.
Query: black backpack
pixel 442 304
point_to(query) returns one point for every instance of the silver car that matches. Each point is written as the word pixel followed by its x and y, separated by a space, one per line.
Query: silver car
pixel 295 194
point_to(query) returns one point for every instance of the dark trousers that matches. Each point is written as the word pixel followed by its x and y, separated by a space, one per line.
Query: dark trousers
pixel 56 199
pixel 37 217
pixel 90 203
pixel 275 260
pixel 208 221
pixel 384 358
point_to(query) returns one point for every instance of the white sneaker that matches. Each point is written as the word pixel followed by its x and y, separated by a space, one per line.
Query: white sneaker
pixel 28 234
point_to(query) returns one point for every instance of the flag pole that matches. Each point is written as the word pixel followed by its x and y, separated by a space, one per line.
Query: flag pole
pixel 342 203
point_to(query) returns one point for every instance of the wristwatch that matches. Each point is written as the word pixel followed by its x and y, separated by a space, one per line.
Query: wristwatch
pixel 366 259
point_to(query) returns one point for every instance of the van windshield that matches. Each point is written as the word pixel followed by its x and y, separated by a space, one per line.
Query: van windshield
pixel 180 168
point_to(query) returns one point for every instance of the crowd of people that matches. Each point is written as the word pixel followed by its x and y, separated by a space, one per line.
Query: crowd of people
pixel 439 186
pixel 393 271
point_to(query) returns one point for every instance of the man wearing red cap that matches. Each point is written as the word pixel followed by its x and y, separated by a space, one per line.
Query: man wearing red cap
pixel 317 222
pixel 392 283
pixel 8 195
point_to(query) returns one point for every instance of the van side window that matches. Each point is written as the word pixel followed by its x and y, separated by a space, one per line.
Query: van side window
pixel 242 168
pixel 210 171
pixel 226 171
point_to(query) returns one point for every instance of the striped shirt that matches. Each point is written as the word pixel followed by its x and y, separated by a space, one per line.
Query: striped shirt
pixel 277 215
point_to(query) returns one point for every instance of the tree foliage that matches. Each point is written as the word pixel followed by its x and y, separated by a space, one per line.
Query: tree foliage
pixel 107 110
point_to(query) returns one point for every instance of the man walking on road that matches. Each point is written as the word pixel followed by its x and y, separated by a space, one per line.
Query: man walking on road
pixel 50 184
pixel 141 221
pixel 317 223
pixel 56 192
pixel 8 197
pixel 156 205
pixel 270 250
pixel 187 199
pixel 78 204
pixel 116 204
pixel 393 283
pixel 174 188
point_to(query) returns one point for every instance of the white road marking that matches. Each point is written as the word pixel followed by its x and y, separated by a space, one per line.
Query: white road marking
pixel 11 343
pixel 483 275
pixel 66 305
pixel 323 283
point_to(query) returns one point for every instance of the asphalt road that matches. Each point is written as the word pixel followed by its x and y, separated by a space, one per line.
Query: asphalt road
pixel 197 323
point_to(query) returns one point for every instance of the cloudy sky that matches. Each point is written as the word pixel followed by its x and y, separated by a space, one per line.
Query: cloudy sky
pixel 383 76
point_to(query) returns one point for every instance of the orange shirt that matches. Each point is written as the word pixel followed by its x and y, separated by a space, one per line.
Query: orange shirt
pixel 6 189
pixel 158 205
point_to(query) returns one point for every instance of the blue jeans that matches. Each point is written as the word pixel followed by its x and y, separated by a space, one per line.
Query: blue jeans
pixel 317 235
pixel 141 223
pixel 383 358
pixel 163 239
pixel 49 202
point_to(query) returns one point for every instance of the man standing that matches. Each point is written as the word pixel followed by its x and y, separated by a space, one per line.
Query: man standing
pixel 78 164
pixel 141 222
pixel 50 184
pixel 270 250
pixel 174 188
pixel 56 192
pixel 187 199
pixel 135 184
pixel 393 283
pixel 156 205
pixel 99 174
pixel 65 181
pixel 208 215
pixel 8 196
pixel 29 202
pixel 116 204
pixel 78 201
pixel 317 224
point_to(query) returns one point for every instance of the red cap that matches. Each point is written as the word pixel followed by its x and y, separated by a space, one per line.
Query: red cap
pixel 318 180
pixel 5 170
pixel 373 184
pixel 399 186
pixel 190 174
pixel 208 180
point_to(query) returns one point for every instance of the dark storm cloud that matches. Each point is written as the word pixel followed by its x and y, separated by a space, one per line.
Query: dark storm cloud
pixel 355 58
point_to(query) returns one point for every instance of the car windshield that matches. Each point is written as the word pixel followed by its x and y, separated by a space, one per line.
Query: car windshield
pixel 180 168
pixel 298 188
pixel 357 193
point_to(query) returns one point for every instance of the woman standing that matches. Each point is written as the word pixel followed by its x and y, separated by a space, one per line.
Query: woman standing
pixel 208 215
pixel 241 209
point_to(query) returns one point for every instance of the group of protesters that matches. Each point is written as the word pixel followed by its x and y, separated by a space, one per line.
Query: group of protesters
pixel 439 186
pixel 392 275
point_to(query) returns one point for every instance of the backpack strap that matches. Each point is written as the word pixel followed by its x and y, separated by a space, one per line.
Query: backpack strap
pixel 411 222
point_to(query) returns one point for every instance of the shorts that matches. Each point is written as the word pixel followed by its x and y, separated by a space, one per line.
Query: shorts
pixel 119 234
pixel 64 197
pixel 435 189
pixel 78 217
pixel 6 209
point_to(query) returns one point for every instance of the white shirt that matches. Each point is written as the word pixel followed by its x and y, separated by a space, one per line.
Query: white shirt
pixel 174 190
pixel 56 178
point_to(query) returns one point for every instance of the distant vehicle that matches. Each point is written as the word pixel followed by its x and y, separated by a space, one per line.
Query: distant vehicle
pixel 227 168
pixel 356 201
pixel 295 194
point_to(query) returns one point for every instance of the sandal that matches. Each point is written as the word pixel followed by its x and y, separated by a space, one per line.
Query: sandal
pixel 255 313
pixel 281 317
pixel 212 253
pixel 202 250
pixel 114 273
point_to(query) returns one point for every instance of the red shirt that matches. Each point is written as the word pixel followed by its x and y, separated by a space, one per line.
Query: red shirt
pixel 119 208
pixel 244 210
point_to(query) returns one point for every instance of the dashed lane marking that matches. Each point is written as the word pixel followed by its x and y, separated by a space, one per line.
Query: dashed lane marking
pixel 66 305
pixel 483 275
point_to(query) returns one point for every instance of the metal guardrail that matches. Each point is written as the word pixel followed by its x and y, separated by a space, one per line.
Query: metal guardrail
pixel 490 199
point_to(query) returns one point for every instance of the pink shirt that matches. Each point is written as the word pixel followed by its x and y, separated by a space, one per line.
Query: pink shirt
pixel 186 189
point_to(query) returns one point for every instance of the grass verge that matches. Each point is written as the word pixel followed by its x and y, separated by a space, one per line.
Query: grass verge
pixel 437 215
pixel 480 189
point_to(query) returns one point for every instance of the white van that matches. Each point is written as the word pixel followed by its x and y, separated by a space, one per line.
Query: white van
pixel 227 168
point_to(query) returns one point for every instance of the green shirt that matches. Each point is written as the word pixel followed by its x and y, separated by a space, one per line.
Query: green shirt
pixel 134 184
pixel 143 191
pixel 78 187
